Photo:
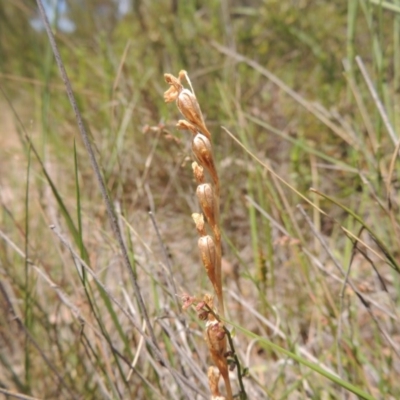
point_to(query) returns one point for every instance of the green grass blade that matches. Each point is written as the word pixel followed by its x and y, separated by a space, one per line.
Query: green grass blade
pixel 63 209
pixel 333 378
pixel 378 241
pixel 302 145
pixel 28 287
pixel 386 5
pixel 83 252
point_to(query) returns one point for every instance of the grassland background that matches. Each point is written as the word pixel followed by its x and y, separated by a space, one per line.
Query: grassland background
pixel 325 288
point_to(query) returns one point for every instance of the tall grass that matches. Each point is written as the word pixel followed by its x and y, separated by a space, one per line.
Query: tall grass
pixel 91 283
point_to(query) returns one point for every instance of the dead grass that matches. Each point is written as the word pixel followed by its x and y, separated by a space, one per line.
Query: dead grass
pixel 65 334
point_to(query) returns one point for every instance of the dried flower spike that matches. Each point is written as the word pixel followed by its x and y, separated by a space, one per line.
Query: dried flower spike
pixel 209 244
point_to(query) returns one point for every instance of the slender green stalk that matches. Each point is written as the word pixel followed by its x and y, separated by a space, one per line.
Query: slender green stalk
pixel 334 378
pixel 28 286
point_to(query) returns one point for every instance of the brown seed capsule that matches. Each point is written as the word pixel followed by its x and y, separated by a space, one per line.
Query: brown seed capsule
pixel 208 203
pixel 188 106
pixel 216 344
pixel 217 349
pixel 208 255
pixel 190 109
pixel 202 150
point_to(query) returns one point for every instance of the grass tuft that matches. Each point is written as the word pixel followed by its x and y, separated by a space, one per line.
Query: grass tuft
pixel 298 192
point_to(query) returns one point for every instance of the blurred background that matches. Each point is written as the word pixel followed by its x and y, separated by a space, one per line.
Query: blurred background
pixel 313 271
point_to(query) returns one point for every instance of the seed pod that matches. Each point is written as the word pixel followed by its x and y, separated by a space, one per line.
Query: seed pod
pixel 208 203
pixel 208 255
pixel 190 109
pixel 216 343
pixel 202 150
